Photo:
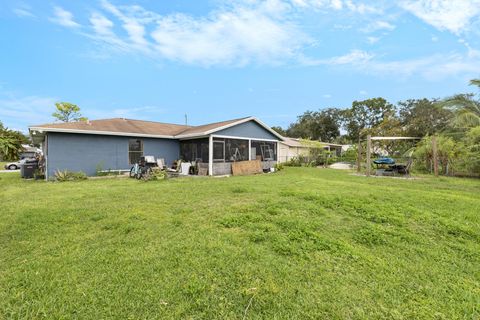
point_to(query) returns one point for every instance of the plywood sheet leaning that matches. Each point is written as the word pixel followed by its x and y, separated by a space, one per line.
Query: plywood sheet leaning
pixel 246 167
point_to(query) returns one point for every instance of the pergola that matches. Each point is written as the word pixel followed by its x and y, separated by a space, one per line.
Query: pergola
pixel 369 150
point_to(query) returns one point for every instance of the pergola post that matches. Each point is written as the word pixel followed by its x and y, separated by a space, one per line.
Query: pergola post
pixel 435 156
pixel 359 157
pixel 369 160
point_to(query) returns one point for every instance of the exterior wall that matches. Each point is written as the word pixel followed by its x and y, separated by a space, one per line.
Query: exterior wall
pixel 84 152
pixel 286 152
pixel 249 129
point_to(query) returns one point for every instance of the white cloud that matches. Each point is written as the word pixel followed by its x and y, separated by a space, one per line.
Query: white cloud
pixel 23 11
pixel 255 32
pixel 362 8
pixel 452 15
pixel 363 92
pixel 377 26
pixel 352 6
pixel 433 68
pixel 353 57
pixel 19 111
pixel 373 40
pixel 138 112
pixel 64 18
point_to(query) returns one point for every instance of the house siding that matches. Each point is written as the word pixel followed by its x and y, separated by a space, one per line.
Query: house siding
pixel 249 129
pixel 84 152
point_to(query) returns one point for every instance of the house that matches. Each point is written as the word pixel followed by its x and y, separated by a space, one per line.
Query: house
pixel 293 148
pixel 118 143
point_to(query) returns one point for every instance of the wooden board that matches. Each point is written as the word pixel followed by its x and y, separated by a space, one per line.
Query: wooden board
pixel 203 169
pixel 246 167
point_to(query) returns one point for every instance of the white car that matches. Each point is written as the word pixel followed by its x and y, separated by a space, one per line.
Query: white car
pixel 15 165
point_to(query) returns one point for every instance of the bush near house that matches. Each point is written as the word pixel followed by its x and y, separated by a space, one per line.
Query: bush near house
pixel 302 243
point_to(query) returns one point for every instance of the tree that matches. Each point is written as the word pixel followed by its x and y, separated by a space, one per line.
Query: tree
pixel 421 117
pixel 67 112
pixel 279 130
pixel 323 125
pixel 365 115
pixel 465 107
pixel 11 143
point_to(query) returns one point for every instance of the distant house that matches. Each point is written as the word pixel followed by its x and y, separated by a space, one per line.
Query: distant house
pixel 293 148
pixel 119 143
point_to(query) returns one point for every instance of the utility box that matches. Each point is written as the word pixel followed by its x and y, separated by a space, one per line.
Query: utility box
pixel 27 169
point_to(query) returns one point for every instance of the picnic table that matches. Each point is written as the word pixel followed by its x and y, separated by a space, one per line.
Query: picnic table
pixel 392 168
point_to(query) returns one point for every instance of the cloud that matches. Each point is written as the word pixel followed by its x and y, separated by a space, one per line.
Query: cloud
pixel 377 26
pixel 451 15
pixel 64 18
pixel 373 40
pixel 134 112
pixel 353 57
pixel 433 68
pixel 234 37
pixel 19 111
pixel 23 11
pixel 355 7
pixel 253 32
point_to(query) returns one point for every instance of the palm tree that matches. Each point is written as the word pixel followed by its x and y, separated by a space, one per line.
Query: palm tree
pixel 465 107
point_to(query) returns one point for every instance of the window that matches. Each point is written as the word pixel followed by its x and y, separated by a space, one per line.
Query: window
pixel 135 150
pixel 219 151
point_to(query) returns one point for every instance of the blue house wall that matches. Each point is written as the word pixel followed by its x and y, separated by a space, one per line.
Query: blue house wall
pixel 249 129
pixel 84 152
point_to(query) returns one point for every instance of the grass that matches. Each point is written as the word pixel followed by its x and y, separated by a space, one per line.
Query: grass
pixel 2 165
pixel 304 243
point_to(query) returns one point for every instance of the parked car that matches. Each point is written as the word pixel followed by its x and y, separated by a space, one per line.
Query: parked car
pixel 16 164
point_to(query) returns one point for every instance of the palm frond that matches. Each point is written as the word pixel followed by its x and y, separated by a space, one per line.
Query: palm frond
pixel 475 82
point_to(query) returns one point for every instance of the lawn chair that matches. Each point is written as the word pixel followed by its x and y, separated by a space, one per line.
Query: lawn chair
pixel 161 163
pixel 405 170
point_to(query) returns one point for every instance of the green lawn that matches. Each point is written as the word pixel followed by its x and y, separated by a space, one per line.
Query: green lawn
pixel 2 165
pixel 304 243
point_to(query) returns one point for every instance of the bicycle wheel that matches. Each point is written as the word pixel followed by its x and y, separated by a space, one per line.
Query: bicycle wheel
pixel 147 174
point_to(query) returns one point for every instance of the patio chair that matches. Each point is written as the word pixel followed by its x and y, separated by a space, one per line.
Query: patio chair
pixel 406 169
pixel 161 163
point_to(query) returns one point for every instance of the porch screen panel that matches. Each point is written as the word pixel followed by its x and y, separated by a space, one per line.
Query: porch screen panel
pixel 265 150
pixel 236 150
pixel 194 150
pixel 230 150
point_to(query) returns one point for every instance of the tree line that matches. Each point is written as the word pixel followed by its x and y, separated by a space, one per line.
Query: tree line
pixel 455 120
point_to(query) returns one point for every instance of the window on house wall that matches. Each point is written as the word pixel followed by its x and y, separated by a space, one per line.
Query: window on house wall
pixel 135 150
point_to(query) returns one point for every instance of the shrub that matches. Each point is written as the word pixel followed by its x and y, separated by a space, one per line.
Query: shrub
pixel 65 175
pixel 293 162
pixel 279 167
pixel 157 174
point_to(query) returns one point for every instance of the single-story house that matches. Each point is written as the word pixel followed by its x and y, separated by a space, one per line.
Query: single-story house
pixel 116 144
pixel 293 148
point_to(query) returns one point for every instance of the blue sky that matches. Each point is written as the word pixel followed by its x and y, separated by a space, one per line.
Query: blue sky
pixel 216 60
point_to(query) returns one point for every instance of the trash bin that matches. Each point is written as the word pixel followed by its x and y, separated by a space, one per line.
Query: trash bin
pixel 27 169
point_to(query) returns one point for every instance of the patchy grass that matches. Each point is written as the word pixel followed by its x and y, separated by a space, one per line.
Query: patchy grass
pixel 2 165
pixel 302 243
